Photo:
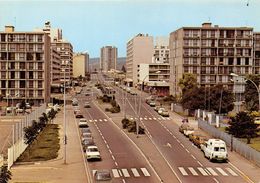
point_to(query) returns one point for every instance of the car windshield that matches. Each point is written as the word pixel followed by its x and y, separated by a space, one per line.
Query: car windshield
pixel 219 149
pixel 93 149
pixel 103 176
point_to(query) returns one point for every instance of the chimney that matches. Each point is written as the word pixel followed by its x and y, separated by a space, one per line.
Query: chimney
pixel 9 28
pixel 206 24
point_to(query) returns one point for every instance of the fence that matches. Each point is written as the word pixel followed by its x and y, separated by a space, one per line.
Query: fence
pixel 18 145
pixel 238 146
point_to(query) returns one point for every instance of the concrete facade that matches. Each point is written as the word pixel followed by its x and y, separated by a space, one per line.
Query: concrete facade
pixel 80 64
pixel 55 67
pixel 212 53
pixel 256 52
pixel 140 49
pixel 161 50
pixel 25 66
pixel 108 58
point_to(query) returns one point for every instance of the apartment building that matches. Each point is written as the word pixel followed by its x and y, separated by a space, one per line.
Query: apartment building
pixel 108 58
pixel 161 50
pixel 155 78
pixel 55 68
pixel 25 66
pixel 256 53
pixel 80 64
pixel 65 50
pixel 212 53
pixel 139 50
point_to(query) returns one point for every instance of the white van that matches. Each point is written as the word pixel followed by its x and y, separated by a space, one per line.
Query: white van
pixel 215 149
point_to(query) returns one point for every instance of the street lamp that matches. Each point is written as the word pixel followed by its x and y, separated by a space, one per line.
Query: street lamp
pixel 140 103
pixel 64 115
pixel 257 88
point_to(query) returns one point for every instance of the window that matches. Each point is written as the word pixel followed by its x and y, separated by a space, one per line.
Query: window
pixel 22 84
pixel 31 84
pixel 247 61
pixel 230 61
pixel 238 61
pixel 39 84
pixel 22 74
pixel 39 93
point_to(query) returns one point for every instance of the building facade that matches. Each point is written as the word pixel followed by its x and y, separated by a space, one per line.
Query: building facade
pixel 65 50
pixel 256 52
pixel 108 58
pixel 55 67
pixel 212 53
pixel 139 50
pixel 25 66
pixel 155 78
pixel 80 64
pixel 161 50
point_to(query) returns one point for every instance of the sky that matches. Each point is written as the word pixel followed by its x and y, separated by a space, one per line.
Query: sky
pixel 92 24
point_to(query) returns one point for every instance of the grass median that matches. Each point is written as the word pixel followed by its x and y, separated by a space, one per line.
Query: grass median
pixel 45 147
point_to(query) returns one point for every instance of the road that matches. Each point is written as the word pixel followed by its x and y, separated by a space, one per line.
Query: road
pixel 118 154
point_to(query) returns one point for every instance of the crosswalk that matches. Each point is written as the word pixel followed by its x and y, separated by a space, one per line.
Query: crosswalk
pixel 127 173
pixel 141 118
pixel 207 171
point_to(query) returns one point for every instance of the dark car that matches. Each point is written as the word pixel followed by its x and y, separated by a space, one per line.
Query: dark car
pixel 79 115
pixel 87 142
pixel 102 175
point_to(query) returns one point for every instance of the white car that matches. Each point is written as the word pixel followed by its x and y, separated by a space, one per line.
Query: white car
pixel 92 153
pixel 83 123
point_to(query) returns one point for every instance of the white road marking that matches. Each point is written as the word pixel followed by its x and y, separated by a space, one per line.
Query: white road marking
pixel 113 157
pixel 125 172
pixel 110 151
pixel 105 119
pixel 199 163
pixel 145 118
pixel 231 171
pixel 168 119
pixel 135 172
pixel 105 141
pixel 154 118
pixel 222 171
pixel 193 157
pixel 215 180
pixel 193 171
pixel 93 172
pixel 116 163
pixel 95 120
pixel 145 172
pixel 115 173
pixel 150 118
pixel 212 171
pixel 141 118
pixel 178 140
pixel 202 171
pixel 182 145
pixel 100 120
pixel 182 170
pixel 187 150
pixel 159 119
pixel 90 121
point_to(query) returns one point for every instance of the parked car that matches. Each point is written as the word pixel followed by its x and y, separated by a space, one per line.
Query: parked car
pixel 102 175
pixel 183 127
pixel 79 115
pixel 83 123
pixel 160 110
pixel 75 103
pixel 189 130
pixel 92 153
pixel 165 113
pixel 87 105
pixel 197 141
pixel 20 110
pixel 215 149
pixel 133 92
pixel 86 143
pixel 85 136
pixel 156 108
pixel 85 130
pixel 257 120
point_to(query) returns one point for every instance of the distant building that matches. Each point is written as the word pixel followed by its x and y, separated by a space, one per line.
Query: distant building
pixel 80 64
pixel 108 58
pixel 54 33
pixel 55 68
pixel 139 50
pixel 25 66
pixel 212 53
pixel 161 50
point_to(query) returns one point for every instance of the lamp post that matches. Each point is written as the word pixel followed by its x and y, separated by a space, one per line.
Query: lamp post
pixel 257 88
pixel 64 117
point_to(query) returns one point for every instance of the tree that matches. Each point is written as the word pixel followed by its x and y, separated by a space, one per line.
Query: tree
pixel 243 126
pixel 194 99
pixel 221 99
pixel 31 132
pixel 251 94
pixel 5 174
pixel 188 82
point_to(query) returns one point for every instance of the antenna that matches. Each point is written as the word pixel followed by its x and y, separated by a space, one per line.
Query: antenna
pixel 15 22
pixel 247 4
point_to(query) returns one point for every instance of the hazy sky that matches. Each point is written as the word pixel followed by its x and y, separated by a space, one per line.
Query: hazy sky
pixel 91 24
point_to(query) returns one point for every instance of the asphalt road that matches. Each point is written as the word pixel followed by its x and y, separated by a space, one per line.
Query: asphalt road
pixel 185 160
pixel 119 155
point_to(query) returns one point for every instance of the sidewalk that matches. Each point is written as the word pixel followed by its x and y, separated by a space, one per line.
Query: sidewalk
pixel 55 171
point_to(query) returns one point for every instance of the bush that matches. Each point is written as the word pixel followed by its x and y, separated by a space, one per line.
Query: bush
pixel 125 123
pixel 107 109
pixel 115 109
pixel 131 126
